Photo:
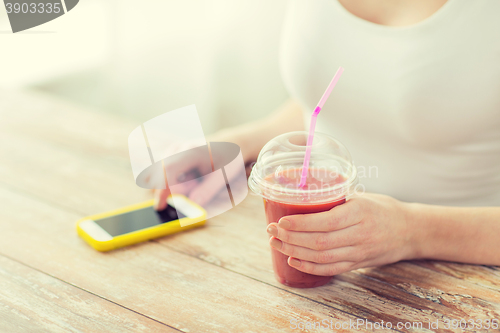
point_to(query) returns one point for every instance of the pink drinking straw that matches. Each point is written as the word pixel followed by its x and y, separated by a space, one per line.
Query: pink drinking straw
pixel 305 166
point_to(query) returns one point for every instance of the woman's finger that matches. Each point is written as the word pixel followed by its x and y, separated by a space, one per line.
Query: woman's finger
pixel 160 196
pixel 321 269
pixel 339 217
pixel 315 240
pixel 347 253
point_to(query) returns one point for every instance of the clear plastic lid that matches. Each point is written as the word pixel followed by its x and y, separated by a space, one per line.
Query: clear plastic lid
pixel 276 174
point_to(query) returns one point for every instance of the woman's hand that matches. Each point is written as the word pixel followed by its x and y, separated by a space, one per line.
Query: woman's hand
pixel 191 174
pixel 250 137
pixel 368 230
pixel 186 162
pixel 192 168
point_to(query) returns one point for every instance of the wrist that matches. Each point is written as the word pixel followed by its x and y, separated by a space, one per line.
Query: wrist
pixel 418 229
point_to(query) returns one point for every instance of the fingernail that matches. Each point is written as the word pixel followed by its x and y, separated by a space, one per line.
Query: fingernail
pixel 272 230
pixel 294 262
pixel 285 224
pixel 276 243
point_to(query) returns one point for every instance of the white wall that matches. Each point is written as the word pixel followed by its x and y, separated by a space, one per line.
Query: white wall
pixel 221 55
pixel 75 42
pixel 143 58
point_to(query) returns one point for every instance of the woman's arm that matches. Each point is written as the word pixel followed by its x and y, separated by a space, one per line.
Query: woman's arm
pixel 251 137
pixel 469 235
pixel 373 230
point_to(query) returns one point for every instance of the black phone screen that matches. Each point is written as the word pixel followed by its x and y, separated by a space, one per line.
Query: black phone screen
pixel 138 219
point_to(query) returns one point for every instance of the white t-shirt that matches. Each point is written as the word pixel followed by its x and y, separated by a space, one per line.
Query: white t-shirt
pixel 418 107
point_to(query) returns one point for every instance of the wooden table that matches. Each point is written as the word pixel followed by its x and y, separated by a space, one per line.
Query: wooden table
pixel 60 163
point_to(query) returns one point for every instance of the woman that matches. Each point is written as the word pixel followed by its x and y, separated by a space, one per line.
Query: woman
pixel 420 101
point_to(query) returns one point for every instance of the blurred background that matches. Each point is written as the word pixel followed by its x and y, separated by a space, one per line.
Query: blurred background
pixel 139 59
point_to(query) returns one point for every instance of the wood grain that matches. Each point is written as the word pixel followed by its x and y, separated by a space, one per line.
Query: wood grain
pixel 173 288
pixel 48 155
pixel 31 301
pixel 397 293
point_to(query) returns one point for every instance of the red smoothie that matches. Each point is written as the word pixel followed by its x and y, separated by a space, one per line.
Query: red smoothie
pixel 316 180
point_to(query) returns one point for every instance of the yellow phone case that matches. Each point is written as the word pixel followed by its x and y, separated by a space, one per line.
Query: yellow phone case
pixel 139 235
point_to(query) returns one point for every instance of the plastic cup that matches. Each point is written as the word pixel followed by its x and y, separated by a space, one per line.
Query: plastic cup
pixel 276 177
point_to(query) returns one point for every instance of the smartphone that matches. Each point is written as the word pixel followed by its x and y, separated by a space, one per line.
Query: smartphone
pixel 139 223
